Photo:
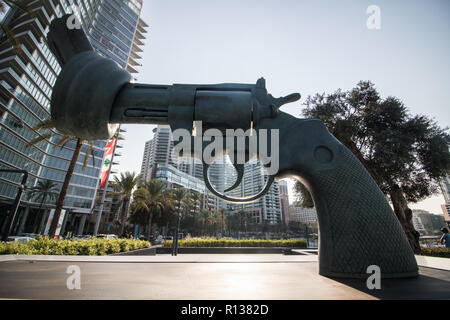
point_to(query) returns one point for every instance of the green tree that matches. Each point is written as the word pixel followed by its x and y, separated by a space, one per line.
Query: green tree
pixel 196 199
pixel 168 216
pixel 44 189
pixel 406 155
pixel 305 199
pixel 124 186
pixel 204 214
pixel 179 196
pixel 47 131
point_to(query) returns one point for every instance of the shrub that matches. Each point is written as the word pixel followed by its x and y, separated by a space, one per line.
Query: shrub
pixel 213 242
pixel 436 252
pixel 90 247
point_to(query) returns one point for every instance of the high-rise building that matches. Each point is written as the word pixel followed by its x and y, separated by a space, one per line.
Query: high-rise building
pixel 417 223
pixel 157 151
pixel 284 198
pixel 445 187
pixel 446 211
pixel 305 215
pixel 27 75
pixel 430 224
pixel 159 163
pixel 158 157
pixel 268 208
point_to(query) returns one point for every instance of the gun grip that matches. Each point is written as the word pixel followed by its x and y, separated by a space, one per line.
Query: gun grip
pixel 357 225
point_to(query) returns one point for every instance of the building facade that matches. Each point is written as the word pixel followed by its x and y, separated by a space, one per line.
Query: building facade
pixel 445 188
pixel 303 215
pixel 268 208
pixel 427 223
pixel 284 199
pixel 27 76
pixel 159 162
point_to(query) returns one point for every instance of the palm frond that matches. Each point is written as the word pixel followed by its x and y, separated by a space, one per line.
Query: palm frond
pixel 35 141
pixel 19 4
pixel 63 141
pixel 46 124
pixel 87 153
pixel 11 37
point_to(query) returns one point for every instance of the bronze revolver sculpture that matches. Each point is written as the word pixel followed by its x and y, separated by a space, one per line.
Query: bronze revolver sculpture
pixel 357 225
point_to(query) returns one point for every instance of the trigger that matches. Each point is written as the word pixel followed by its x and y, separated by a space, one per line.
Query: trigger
pixel 240 174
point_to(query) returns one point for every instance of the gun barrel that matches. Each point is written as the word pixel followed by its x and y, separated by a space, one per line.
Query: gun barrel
pixel 150 104
pixel 141 103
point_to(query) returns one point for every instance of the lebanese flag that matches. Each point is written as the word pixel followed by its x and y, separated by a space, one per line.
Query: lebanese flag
pixel 106 166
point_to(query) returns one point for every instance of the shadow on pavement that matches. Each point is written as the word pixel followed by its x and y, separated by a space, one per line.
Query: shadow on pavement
pixel 431 284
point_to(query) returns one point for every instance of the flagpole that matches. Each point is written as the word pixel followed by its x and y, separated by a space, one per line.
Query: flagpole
pixel 100 210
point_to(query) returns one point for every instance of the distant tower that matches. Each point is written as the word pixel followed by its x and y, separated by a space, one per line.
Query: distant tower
pixel 445 187
pixel 115 31
pixel 268 208
pixel 284 198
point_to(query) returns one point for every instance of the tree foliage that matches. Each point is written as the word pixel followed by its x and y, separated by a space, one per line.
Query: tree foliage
pixel 123 186
pixel 405 154
pixel 47 131
pixel 397 148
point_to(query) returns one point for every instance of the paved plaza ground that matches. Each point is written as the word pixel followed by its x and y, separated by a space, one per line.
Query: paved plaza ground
pixel 205 276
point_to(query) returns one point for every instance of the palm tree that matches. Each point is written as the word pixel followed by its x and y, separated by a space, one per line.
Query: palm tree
pixel 49 127
pixel 151 198
pixel 178 195
pixel 123 187
pixel 169 208
pixel 204 214
pixel 43 190
pixel 196 200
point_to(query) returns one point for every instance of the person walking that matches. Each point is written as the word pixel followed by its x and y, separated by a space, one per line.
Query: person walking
pixel 445 239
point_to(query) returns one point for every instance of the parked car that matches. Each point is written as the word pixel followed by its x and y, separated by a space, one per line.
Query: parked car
pixel 31 235
pixel 142 237
pixel 107 236
pixel 19 239
pixel 158 240
pixel 82 236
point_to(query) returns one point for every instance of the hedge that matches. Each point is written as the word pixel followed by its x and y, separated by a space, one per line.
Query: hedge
pixel 88 247
pixel 436 252
pixel 212 242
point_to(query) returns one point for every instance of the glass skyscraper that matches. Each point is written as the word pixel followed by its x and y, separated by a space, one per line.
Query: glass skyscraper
pixel 27 75
pixel 188 173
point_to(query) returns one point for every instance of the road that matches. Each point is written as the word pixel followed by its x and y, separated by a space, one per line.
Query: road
pixel 195 277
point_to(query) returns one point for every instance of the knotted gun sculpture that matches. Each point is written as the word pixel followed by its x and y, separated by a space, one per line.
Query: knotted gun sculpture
pixel 358 228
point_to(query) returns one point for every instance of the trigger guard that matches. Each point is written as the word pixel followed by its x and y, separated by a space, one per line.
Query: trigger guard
pixel 237 199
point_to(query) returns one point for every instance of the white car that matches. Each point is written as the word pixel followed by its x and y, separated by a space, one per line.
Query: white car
pixel 19 239
pixel 107 236
pixel 30 235
pixel 82 237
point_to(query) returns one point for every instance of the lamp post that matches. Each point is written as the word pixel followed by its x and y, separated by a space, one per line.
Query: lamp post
pixel 222 222
pixel 175 239
pixel 306 232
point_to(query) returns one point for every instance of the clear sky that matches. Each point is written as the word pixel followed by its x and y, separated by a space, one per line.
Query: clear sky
pixel 300 46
